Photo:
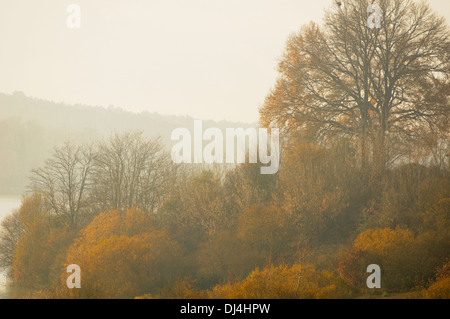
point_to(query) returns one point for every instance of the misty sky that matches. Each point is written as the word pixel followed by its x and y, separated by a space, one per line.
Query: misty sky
pixel 211 59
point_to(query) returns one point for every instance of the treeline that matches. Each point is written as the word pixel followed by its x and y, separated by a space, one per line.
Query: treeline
pixel 364 179
pixel 138 225
pixel 30 128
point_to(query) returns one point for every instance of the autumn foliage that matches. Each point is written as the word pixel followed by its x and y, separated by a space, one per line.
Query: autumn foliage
pixel 123 255
pixel 363 179
pixel 283 282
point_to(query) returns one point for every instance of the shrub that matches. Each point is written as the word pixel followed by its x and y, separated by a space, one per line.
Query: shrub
pixel 283 282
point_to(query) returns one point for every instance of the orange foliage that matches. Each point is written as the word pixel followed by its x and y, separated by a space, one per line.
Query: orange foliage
pixel 439 289
pixel 284 282
pixel 382 241
pixel 40 249
pixel 123 255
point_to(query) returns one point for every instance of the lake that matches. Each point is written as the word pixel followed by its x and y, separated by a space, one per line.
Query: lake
pixel 7 204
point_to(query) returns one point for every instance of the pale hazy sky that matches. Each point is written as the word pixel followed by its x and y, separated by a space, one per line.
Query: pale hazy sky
pixel 211 59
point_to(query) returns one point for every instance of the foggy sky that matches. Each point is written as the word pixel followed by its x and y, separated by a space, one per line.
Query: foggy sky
pixel 211 59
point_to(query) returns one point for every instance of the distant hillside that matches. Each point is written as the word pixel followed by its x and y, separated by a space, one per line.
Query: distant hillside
pixel 31 127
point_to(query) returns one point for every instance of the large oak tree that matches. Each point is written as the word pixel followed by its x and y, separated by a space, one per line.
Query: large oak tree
pixel 384 88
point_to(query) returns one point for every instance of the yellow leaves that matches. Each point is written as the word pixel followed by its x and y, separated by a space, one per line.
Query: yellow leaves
pixel 39 251
pixel 183 289
pixel 115 223
pixel 407 261
pixel 297 281
pixel 123 255
pixel 439 289
pixel 380 240
pixel 31 210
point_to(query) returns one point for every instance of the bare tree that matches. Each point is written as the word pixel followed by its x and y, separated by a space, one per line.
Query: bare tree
pixel 379 86
pixel 64 181
pixel 130 170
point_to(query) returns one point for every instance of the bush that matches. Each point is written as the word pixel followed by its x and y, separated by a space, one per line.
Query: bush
pixel 283 282
pixel 122 255
pixel 439 289
pixel 406 261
